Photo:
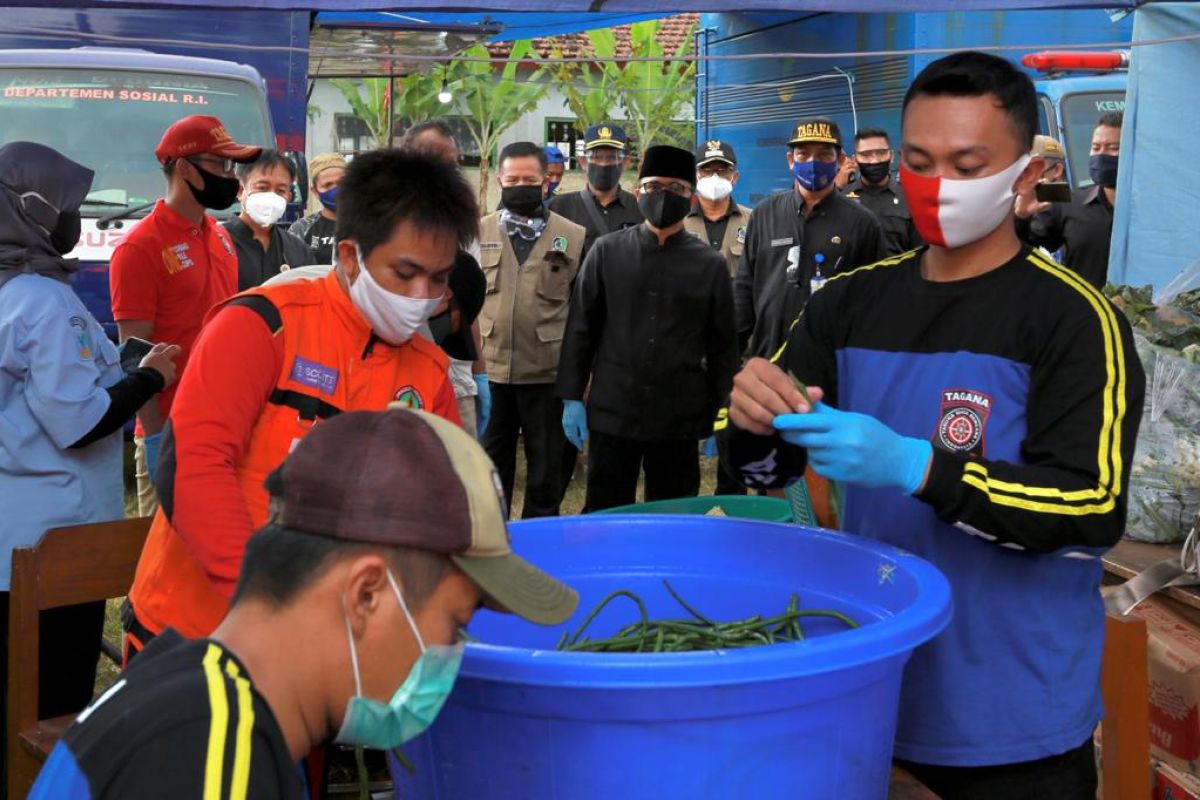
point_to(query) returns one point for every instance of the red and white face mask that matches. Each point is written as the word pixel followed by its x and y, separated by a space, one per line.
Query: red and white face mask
pixel 953 213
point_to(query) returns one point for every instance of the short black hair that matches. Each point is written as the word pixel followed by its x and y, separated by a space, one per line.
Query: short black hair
pixel 1111 119
pixel 437 124
pixel 974 74
pixel 280 563
pixel 871 133
pixel 383 188
pixel 268 159
pixel 523 150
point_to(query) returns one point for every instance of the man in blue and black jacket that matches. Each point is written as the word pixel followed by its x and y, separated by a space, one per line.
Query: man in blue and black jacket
pixel 981 402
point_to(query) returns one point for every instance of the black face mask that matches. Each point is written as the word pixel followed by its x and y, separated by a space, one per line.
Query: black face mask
pixel 65 235
pixel 603 177
pixel 218 192
pixel 1103 170
pixel 523 200
pixel 663 209
pixel 876 173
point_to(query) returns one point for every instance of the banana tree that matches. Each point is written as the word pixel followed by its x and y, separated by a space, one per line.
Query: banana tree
pixel 371 101
pixel 417 96
pixel 591 90
pixel 495 100
pixel 657 91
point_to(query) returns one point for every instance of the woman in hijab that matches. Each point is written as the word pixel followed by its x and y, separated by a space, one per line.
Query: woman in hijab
pixel 64 400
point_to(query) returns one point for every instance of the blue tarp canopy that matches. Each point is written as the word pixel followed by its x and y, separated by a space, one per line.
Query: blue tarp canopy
pixel 649 8
pixel 1156 232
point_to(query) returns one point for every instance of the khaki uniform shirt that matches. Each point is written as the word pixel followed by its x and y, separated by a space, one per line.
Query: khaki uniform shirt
pixel 735 233
pixel 525 308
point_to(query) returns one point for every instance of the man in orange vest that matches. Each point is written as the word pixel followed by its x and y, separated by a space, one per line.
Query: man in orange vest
pixel 274 361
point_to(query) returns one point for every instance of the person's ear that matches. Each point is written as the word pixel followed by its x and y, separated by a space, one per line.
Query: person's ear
pixel 791 159
pixel 1030 176
pixel 582 160
pixel 366 589
pixel 348 258
pixel 241 192
pixel 628 160
pixel 735 177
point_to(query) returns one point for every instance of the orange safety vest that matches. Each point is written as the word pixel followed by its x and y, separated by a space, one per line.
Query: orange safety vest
pixel 324 373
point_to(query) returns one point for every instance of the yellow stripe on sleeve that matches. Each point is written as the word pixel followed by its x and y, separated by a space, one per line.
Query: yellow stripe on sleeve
pixel 1110 466
pixel 241 759
pixel 214 766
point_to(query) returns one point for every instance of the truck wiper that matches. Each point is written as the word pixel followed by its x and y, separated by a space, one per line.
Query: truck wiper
pixel 124 213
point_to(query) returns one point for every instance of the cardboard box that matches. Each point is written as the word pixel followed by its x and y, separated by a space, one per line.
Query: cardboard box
pixel 1171 784
pixel 1174 676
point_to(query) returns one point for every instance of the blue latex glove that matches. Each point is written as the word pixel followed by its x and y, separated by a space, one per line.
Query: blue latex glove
pixel 485 402
pixel 575 423
pixel 152 444
pixel 709 448
pixel 857 448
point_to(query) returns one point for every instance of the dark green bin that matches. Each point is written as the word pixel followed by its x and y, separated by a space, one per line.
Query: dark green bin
pixel 766 509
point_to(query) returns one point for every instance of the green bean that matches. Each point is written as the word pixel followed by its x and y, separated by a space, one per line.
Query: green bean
pixel 696 634
pixel 801 388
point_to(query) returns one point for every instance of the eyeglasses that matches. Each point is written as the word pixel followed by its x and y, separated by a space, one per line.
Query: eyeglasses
pixel 720 172
pixel 224 164
pixel 606 159
pixel 679 189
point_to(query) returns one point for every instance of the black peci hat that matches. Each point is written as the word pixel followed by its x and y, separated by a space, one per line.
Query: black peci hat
pixel 664 161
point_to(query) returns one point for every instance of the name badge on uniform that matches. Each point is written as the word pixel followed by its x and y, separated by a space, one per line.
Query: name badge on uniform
pixel 781 242
pixel 560 244
pixel 490 245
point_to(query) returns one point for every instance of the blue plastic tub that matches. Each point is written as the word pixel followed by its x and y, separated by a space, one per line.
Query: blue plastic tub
pixel 813 720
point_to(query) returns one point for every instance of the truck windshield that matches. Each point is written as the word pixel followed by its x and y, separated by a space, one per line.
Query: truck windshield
pixel 1080 113
pixel 111 121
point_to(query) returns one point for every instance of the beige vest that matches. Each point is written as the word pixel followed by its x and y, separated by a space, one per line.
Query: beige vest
pixel 525 308
pixel 735 234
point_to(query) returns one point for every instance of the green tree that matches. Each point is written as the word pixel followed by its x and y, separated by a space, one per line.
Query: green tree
pixel 417 96
pixel 494 100
pixel 591 90
pixel 371 101
pixel 657 92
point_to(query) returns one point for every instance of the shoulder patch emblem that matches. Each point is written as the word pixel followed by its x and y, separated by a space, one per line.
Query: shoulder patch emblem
pixel 962 423
pixel 560 244
pixel 741 233
pixel 411 398
pixel 82 338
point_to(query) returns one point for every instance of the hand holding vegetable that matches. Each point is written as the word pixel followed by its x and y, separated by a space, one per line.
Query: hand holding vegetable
pixel 761 392
pixel 161 359
pixel 857 448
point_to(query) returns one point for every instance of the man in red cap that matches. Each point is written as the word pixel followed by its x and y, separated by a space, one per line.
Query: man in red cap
pixel 177 263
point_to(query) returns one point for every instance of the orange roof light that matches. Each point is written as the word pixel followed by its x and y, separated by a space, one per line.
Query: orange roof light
pixel 1069 61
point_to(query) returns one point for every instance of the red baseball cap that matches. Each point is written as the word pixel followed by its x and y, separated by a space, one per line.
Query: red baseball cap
pixel 199 134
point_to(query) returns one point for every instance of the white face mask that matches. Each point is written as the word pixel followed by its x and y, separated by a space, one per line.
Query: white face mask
pixel 714 187
pixel 393 317
pixel 952 213
pixel 265 208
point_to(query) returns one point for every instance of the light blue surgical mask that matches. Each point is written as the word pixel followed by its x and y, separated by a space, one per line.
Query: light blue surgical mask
pixel 815 175
pixel 414 706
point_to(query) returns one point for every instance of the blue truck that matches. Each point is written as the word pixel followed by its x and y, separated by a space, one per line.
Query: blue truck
pixel 753 104
pixel 63 84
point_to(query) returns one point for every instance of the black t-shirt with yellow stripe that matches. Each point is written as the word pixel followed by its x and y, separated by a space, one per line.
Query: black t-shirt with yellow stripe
pixel 183 722
pixel 1026 381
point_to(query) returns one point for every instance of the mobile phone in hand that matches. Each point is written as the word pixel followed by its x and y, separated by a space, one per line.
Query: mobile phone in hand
pixel 132 351
pixel 1053 193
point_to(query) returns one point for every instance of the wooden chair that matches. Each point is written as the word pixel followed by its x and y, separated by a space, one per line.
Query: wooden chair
pixel 66 567
pixel 1125 734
